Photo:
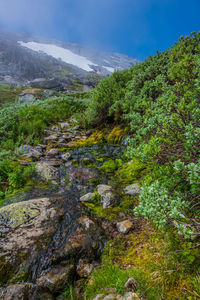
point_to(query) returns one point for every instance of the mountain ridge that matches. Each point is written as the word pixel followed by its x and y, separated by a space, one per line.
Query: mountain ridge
pixel 24 58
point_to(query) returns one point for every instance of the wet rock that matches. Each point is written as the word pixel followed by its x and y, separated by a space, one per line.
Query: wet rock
pixel 46 171
pixel 84 269
pixel 34 154
pixel 52 162
pixel 131 285
pixel 132 190
pixel 52 137
pixel 64 125
pixel 86 161
pixel 108 199
pixel 125 226
pixel 52 152
pixel 15 291
pixel 57 278
pixel 81 174
pixel 66 156
pixel 61 140
pixel 86 222
pixel 55 128
pixel 25 149
pixel 87 197
pixel 24 227
pixel 24 291
pixel 129 296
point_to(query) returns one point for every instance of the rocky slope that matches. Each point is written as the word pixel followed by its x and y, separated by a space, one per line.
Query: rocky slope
pixel 30 61
pixel 48 236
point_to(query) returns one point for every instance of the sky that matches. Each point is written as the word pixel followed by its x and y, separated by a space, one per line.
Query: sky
pixel 137 28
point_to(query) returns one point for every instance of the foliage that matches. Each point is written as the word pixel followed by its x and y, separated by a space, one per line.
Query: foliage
pixel 25 123
pixel 159 100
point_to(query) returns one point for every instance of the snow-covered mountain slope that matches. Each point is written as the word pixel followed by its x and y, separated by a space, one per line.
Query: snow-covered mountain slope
pixel 25 58
pixel 57 52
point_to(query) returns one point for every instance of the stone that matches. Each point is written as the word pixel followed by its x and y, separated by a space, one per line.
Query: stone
pixel 47 171
pixel 57 278
pixel 108 197
pixel 81 174
pixel 26 98
pixel 52 137
pixel 66 156
pixel 86 222
pixel 125 226
pixel 55 128
pixel 131 285
pixel 43 83
pixel 87 197
pixel 25 149
pixel 110 297
pixel 52 152
pixel 84 269
pixel 99 297
pixel 132 190
pixel 24 291
pixel 64 125
pixel 130 296
pixel 23 226
pixel 52 162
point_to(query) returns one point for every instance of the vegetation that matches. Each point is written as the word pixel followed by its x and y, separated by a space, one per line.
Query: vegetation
pixel 24 124
pixel 159 101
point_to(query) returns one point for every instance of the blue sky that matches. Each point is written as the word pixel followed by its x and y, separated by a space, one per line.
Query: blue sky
pixel 134 27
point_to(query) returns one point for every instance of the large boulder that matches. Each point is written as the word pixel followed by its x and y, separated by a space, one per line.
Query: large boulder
pixel 108 197
pixel 25 228
pixel 41 242
pixel 43 83
pixel 26 98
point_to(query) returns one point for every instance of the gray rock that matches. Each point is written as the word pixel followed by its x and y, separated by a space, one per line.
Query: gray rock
pixel 129 296
pixel 47 171
pixel 26 98
pixel 25 149
pixel 66 156
pixel 57 278
pixel 56 128
pixel 52 137
pixel 43 83
pixel 64 125
pixel 52 152
pixel 99 297
pixel 108 199
pixel 84 269
pixel 132 190
pixel 125 226
pixel 131 285
pixel 110 297
pixel 87 197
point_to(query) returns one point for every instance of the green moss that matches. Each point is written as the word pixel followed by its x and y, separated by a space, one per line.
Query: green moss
pixel 105 213
pixel 111 165
pixel 97 137
pixel 131 172
pixel 116 135
pixel 19 213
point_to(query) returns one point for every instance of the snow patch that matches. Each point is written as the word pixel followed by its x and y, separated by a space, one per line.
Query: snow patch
pixel 65 55
pixel 110 69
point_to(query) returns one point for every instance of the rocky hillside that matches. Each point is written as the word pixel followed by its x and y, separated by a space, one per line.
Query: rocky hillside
pixel 29 61
pixel 99 191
